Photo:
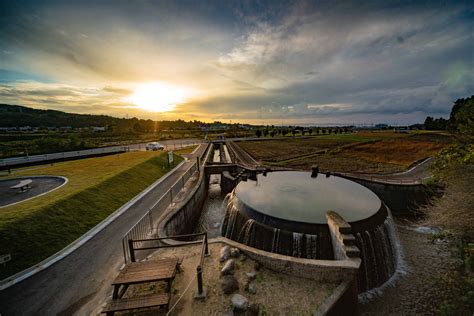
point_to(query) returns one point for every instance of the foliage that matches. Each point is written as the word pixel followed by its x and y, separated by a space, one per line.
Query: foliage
pixel 258 133
pixel 435 124
pixel 454 168
pixel 461 120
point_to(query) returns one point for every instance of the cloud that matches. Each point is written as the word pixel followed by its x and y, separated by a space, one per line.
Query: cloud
pixel 288 60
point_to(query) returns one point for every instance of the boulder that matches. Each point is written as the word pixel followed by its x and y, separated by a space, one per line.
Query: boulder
pixel 234 252
pixel 229 284
pixel 251 275
pixel 239 302
pixel 257 266
pixel 251 288
pixel 229 267
pixel 224 254
pixel 253 310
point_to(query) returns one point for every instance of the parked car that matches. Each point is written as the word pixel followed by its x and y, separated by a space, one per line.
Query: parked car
pixel 154 146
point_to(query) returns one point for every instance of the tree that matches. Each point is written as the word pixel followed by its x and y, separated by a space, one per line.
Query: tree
pixel 303 132
pixel 461 119
pixel 265 132
pixel 272 133
pixel 258 133
pixel 310 131
pixel 293 132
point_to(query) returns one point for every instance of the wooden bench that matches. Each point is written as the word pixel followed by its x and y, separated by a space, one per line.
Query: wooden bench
pixel 23 186
pixel 125 304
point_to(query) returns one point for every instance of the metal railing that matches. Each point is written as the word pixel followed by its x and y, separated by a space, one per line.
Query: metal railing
pixel 145 226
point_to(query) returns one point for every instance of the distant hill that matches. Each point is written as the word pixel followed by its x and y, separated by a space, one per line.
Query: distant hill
pixel 15 115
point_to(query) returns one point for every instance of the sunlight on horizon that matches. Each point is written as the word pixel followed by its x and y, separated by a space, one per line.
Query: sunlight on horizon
pixel 158 97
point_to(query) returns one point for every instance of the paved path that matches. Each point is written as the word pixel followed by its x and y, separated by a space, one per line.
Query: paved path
pixel 77 283
pixel 15 162
pixel 415 175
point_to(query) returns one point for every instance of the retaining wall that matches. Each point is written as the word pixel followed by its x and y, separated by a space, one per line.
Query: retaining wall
pixel 401 199
pixel 183 216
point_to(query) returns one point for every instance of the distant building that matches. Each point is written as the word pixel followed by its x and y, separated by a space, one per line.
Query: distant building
pixel 98 129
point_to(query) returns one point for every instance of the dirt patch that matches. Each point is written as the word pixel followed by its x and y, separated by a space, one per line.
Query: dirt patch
pixel 278 150
pixel 421 290
pixel 400 151
pixel 276 293
pixel 380 156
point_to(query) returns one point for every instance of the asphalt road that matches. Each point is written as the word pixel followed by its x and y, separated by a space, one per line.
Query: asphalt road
pixel 77 283
pixel 15 162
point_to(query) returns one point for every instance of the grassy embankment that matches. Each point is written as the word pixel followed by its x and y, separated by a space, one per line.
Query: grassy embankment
pixel 33 230
pixel 361 152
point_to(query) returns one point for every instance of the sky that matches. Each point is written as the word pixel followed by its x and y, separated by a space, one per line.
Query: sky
pixel 260 62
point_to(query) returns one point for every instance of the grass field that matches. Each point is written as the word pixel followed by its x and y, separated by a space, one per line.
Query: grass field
pixel 362 152
pixel 33 230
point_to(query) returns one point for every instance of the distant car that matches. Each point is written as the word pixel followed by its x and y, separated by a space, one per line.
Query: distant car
pixel 154 146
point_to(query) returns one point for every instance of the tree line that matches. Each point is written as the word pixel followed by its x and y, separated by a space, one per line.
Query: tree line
pixel 300 130
pixel 461 119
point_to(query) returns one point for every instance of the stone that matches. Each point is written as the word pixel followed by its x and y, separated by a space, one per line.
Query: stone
pixel 229 284
pixel 239 302
pixel 224 254
pixel 257 266
pixel 234 252
pixel 251 288
pixel 251 275
pixel 253 310
pixel 229 267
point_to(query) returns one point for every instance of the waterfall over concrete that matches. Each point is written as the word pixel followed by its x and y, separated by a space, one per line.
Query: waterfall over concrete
pixel 374 235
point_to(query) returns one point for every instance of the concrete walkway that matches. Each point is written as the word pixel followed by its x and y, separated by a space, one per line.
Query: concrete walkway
pixel 77 283
pixel 415 175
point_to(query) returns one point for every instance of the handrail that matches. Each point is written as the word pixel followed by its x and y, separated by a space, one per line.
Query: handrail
pixel 145 225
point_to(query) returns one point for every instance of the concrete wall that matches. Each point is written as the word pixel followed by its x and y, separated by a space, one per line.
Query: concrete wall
pixel 322 270
pixel 400 199
pixel 343 241
pixel 341 301
pixel 228 182
pixel 183 216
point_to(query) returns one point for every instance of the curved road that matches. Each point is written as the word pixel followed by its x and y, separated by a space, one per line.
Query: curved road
pixel 414 175
pixel 77 283
pixel 16 162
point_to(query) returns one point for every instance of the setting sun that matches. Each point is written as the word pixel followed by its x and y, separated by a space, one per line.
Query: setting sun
pixel 158 97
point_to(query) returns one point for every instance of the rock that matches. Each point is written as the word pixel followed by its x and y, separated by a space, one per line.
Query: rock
pixel 253 310
pixel 257 266
pixel 224 254
pixel 251 288
pixel 229 267
pixel 229 284
pixel 251 275
pixel 240 302
pixel 234 252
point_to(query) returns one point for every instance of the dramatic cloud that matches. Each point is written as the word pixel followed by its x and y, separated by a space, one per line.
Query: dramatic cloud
pixel 250 61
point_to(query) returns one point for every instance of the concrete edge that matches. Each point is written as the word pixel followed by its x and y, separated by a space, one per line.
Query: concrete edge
pixel 332 300
pixel 172 211
pixel 66 180
pixel 351 264
pixel 22 275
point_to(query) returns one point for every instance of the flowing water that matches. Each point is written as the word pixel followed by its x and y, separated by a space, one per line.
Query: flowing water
pixel 382 262
pixel 213 211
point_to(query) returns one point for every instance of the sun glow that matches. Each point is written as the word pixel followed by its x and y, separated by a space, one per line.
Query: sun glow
pixel 158 97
